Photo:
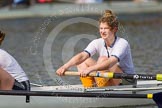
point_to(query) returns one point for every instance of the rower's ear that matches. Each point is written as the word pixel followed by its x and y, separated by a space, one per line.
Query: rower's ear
pixel 2 36
pixel 115 29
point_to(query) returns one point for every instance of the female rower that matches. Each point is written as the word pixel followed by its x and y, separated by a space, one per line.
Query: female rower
pixel 12 76
pixel 114 55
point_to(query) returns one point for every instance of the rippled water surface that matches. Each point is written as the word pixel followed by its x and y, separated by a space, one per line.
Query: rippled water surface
pixel 41 45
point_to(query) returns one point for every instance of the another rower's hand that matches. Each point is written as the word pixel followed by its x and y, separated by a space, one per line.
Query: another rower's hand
pixel 61 71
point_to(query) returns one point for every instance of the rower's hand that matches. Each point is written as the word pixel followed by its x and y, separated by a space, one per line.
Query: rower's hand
pixel 85 72
pixel 61 71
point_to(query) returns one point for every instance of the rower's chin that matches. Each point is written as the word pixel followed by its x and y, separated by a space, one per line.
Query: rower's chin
pixel 104 38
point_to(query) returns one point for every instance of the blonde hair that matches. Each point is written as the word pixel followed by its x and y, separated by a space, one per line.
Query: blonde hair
pixel 109 18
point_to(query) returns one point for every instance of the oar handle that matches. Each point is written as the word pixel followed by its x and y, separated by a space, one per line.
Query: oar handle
pixel 93 74
pixel 71 73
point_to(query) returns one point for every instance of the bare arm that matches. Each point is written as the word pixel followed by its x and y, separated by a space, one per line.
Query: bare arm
pixel 76 60
pixel 101 66
pixel 106 63
pixel 6 80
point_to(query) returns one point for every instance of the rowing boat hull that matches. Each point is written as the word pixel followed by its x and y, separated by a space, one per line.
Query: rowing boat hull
pixel 71 102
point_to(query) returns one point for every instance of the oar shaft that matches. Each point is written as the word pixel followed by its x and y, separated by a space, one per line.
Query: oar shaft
pixel 134 76
pixel 105 74
pixel 75 94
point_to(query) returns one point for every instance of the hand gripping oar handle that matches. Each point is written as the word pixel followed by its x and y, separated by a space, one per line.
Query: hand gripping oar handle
pixel 105 74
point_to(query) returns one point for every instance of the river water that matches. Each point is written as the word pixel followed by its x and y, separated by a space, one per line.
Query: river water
pixel 41 45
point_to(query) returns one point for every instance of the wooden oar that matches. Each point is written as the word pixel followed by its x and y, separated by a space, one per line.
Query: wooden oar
pixel 105 74
pixel 157 97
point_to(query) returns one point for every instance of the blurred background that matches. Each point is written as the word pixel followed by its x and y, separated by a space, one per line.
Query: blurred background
pixel 27 3
pixel 44 33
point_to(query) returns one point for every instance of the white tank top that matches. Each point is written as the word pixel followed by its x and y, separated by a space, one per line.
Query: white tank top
pixel 9 64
